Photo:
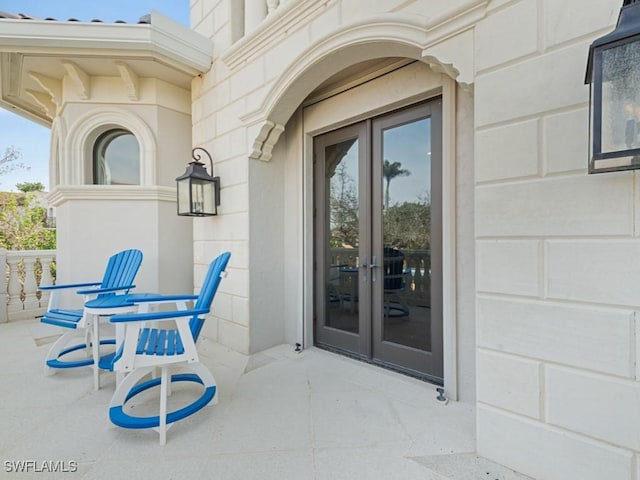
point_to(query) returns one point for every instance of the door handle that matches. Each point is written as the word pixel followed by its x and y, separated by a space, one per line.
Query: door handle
pixel 373 267
pixel 363 264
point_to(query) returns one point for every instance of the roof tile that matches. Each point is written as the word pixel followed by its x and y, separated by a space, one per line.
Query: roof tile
pixel 145 19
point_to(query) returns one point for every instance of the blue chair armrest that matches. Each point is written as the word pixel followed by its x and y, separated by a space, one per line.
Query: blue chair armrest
pixel 146 317
pixel 70 285
pixel 158 298
pixel 105 290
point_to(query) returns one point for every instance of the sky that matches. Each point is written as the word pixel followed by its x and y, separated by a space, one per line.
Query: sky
pixel 409 144
pixel 32 139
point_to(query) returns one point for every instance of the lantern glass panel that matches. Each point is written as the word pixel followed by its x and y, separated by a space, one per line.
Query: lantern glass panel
pixel 202 197
pixel 620 114
pixel 184 203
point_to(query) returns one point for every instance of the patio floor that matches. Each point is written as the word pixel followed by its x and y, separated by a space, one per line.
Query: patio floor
pixel 281 415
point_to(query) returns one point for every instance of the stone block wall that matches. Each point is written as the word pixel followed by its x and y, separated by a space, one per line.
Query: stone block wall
pixel 558 253
pixel 557 250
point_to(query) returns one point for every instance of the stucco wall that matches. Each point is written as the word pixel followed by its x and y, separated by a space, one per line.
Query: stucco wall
pixel 96 221
pixel 557 253
pixel 223 101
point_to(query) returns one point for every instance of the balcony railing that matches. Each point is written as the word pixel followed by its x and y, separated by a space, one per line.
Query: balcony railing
pixel 256 11
pixel 25 270
pixel 417 265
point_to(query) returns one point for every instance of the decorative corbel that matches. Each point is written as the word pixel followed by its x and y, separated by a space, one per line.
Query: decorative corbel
pixel 453 57
pixel 52 86
pixel 44 101
pixel 265 141
pixel 80 79
pixel 130 79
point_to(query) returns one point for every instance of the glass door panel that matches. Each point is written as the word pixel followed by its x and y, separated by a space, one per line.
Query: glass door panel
pixel 407 232
pixel 343 239
pixel 342 233
pixel 406 172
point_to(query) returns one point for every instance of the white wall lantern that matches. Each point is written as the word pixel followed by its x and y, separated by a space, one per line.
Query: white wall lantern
pixel 613 72
pixel 198 192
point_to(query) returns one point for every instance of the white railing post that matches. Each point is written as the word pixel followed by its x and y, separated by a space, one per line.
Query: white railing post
pixel 255 11
pixel 22 285
pixel 30 286
pixel 4 315
pixel 272 6
pixel 46 279
pixel 14 289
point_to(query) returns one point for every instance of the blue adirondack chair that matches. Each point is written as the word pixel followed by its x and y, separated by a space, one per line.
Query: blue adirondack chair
pixel 149 343
pixel 118 279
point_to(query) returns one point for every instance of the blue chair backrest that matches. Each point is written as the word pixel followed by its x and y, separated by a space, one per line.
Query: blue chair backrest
pixel 208 290
pixel 122 269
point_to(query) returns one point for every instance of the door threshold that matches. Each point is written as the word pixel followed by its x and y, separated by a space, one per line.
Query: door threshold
pixel 372 361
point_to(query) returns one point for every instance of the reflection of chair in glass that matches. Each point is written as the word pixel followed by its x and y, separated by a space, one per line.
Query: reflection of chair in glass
pixel 342 286
pixel 334 297
pixel 349 287
pixel 394 283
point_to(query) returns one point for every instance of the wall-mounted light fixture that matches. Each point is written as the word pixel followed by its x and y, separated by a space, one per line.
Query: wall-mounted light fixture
pixel 198 192
pixel 613 73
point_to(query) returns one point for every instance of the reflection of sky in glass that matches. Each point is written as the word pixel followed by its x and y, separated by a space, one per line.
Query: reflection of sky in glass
pixel 122 159
pixel 409 144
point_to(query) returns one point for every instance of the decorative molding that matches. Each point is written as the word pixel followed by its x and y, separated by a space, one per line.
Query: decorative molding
pixel 164 40
pixel 130 79
pixel 44 102
pixel 451 48
pixel 52 86
pixel 285 19
pixel 12 65
pixel 79 78
pixel 13 97
pixel 292 15
pixel 396 34
pixel 445 43
pixel 125 193
pixel 265 141
pixel 79 141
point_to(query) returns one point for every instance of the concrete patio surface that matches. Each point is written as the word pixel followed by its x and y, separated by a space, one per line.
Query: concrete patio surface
pixel 281 415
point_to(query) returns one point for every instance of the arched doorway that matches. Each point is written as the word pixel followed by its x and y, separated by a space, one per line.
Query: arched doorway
pixel 296 106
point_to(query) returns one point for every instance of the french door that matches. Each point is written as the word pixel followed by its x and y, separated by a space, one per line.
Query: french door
pixel 378 240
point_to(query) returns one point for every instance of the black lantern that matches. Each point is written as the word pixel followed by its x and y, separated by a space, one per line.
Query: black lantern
pixel 613 72
pixel 198 192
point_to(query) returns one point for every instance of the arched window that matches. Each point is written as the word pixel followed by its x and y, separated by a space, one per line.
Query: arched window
pixel 116 159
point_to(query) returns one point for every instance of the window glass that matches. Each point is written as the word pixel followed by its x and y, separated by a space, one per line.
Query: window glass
pixel 116 159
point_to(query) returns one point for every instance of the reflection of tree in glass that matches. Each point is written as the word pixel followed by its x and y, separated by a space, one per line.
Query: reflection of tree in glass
pixel 408 225
pixel 343 214
pixel 389 172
